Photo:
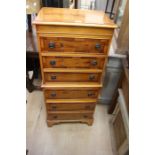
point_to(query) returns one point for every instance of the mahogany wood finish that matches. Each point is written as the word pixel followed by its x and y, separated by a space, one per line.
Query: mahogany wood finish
pixel 73 49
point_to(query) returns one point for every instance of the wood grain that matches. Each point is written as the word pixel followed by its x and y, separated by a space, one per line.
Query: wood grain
pixel 69 115
pixel 70 106
pixel 71 88
pixel 88 100
pixel 72 62
pixel 72 77
pixel 62 54
pixel 73 17
pixel 72 70
pixel 78 32
pixel 71 85
pixel 64 94
pixel 78 45
pixel 73 49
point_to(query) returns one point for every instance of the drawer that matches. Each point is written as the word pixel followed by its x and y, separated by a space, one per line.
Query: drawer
pixel 70 106
pixel 76 45
pixel 71 94
pixel 72 77
pixel 69 115
pixel 73 62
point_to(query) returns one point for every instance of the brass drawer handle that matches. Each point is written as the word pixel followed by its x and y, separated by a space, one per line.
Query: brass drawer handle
pixel 98 46
pixel 55 117
pixel 53 94
pixel 91 77
pixel 53 77
pixel 54 107
pixel 94 62
pixel 61 45
pixel 85 116
pixel 52 62
pixel 90 94
pixel 87 107
pixel 51 45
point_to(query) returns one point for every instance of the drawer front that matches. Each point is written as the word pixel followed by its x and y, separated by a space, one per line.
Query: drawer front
pixel 72 77
pixel 70 106
pixel 70 94
pixel 69 115
pixel 77 45
pixel 73 62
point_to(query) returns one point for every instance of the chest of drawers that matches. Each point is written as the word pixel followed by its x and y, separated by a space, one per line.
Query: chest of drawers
pixel 73 46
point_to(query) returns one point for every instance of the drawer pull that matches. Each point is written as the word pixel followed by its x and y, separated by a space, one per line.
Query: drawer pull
pixel 98 46
pixel 94 62
pixel 51 45
pixel 53 62
pixel 85 116
pixel 87 107
pixel 91 77
pixel 90 94
pixel 53 94
pixel 55 117
pixel 61 44
pixel 53 77
pixel 54 107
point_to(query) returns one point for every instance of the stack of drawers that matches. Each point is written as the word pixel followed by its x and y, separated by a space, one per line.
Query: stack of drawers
pixel 73 51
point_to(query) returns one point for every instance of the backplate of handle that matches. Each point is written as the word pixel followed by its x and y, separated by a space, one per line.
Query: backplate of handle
pixel 91 77
pixel 98 46
pixel 90 94
pixel 55 117
pixel 52 62
pixel 53 94
pixel 85 116
pixel 54 107
pixel 53 77
pixel 87 107
pixel 51 45
pixel 94 62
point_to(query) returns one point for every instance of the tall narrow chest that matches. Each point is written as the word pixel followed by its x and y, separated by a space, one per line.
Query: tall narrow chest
pixel 73 47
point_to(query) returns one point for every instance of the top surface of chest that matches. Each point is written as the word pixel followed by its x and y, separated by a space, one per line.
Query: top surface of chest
pixel 73 17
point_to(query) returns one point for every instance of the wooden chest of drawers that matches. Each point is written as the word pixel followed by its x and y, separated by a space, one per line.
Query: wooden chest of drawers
pixel 73 46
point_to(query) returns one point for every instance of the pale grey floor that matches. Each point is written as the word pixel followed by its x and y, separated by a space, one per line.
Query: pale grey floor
pixel 66 139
